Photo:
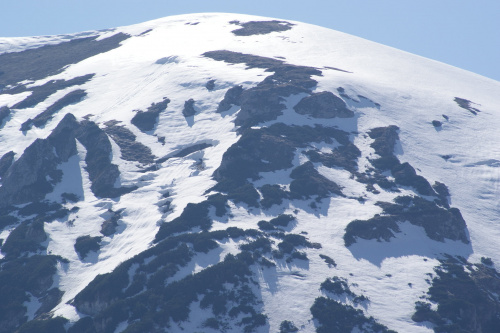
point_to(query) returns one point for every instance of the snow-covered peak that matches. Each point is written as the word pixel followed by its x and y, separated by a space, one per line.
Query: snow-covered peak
pixel 226 172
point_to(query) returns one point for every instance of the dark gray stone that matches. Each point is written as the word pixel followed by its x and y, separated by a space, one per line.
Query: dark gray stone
pixel 437 123
pixel 70 98
pixel 19 66
pixel 323 105
pixel 40 93
pixel 4 113
pixel 63 136
pixel 146 120
pixel 466 104
pixel 27 179
pixel 264 102
pixel 131 149
pixel 210 85
pixel 232 97
pixel 6 162
pixel 307 182
pixel 102 173
pixel 261 27
pixel 189 110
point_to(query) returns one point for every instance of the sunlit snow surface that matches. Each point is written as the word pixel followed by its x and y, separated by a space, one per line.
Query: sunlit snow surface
pixel 411 91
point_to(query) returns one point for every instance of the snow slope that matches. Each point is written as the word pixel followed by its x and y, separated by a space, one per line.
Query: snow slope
pixel 384 86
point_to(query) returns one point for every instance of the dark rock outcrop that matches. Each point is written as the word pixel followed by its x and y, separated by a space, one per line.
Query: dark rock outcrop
pixel 32 274
pixel 466 104
pixel 439 223
pixel 264 102
pixel 406 175
pixel 384 139
pixel 210 85
pixel 146 120
pixel 466 298
pixel 189 110
pixel 307 182
pixel 40 93
pixel 333 316
pixel 5 162
pixel 232 97
pixel 437 123
pixel 4 113
pixel 85 244
pixel 70 98
pixel 19 66
pixel 35 173
pixel 345 156
pixel 102 173
pixel 260 27
pixel 32 176
pixel 131 149
pixel 108 227
pixel 323 105
pixel 25 238
pixel 63 137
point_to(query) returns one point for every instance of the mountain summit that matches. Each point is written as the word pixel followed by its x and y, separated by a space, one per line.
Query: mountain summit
pixel 232 173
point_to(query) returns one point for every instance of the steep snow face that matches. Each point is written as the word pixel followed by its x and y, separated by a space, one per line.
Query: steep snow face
pixel 258 174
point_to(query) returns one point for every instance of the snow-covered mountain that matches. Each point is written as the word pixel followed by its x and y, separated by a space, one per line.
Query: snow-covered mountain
pixel 232 173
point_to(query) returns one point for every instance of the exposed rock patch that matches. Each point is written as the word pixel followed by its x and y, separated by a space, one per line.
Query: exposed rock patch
pixel 210 85
pixel 439 223
pixel 466 295
pixel 41 119
pixel 108 227
pixel 131 149
pixel 437 123
pixel 102 173
pixel 116 293
pixel 333 316
pixel 40 93
pixel 32 176
pixel 467 105
pixel 19 66
pixel 264 102
pixel 146 120
pixel 323 105
pixel 4 113
pixel 5 162
pixel 86 244
pixel 260 27
pixel 32 274
pixel 184 152
pixel 232 97
pixel 189 110
pixel 307 182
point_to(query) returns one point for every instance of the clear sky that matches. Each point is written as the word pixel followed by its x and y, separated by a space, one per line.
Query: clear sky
pixel 462 33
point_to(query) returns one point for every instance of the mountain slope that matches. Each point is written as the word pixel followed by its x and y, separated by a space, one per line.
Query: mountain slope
pixel 223 172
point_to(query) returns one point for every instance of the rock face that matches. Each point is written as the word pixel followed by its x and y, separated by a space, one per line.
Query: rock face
pixel 260 27
pixel 5 162
pixel 102 173
pixel 131 149
pixel 4 113
pixel 323 105
pixel 232 97
pixel 146 120
pixel 189 110
pixel 32 176
pixel 19 66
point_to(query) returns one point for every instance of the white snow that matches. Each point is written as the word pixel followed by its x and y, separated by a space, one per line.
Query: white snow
pixel 166 62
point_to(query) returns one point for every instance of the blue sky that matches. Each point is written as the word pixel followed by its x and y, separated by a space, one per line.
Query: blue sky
pixel 462 33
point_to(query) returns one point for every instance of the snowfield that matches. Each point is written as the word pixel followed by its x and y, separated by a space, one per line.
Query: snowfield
pixel 382 86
